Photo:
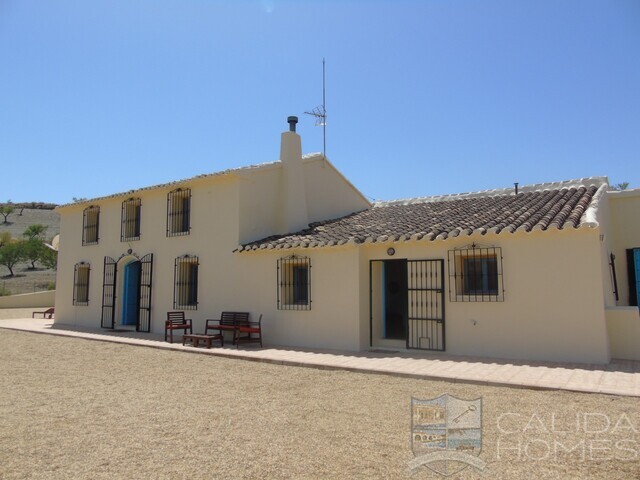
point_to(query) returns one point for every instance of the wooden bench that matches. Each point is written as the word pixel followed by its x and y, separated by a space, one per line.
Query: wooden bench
pixel 206 339
pixel 176 321
pixel 253 328
pixel 228 322
pixel 48 313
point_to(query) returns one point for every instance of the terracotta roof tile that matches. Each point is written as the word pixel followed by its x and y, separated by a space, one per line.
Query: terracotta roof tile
pixel 450 216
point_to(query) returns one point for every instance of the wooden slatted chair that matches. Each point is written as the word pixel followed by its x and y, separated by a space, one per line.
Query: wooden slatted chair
pixel 253 332
pixel 176 321
pixel 228 322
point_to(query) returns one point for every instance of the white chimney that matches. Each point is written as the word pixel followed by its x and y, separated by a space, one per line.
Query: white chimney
pixel 294 195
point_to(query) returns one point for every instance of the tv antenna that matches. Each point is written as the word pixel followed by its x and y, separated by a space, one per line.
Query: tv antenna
pixel 320 113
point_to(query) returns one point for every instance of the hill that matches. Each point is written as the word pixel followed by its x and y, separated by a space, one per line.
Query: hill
pixel 26 280
pixel 30 216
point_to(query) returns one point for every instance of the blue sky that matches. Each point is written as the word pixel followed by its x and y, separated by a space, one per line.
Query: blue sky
pixel 423 97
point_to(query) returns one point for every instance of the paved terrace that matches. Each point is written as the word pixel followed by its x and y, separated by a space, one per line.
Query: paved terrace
pixel 620 377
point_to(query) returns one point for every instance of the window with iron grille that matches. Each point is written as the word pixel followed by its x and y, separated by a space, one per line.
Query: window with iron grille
pixel 81 284
pixel 294 283
pixel 475 274
pixel 130 220
pixel 90 225
pixel 185 291
pixel 178 212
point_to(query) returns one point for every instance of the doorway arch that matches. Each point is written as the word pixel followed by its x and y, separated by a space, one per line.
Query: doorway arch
pixel 126 292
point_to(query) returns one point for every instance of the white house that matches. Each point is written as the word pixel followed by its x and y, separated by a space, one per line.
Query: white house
pixel 526 275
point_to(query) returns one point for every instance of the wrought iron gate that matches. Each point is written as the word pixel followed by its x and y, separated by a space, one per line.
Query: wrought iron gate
pixel 425 317
pixel 144 311
pixel 109 292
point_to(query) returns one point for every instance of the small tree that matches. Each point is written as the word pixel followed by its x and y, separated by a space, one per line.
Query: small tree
pixel 12 254
pixel 5 211
pixel 32 251
pixel 49 258
pixel 35 231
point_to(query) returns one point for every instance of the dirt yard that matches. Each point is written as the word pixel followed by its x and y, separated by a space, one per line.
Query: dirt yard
pixel 74 408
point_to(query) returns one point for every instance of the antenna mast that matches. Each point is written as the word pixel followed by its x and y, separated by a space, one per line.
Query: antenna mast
pixel 320 113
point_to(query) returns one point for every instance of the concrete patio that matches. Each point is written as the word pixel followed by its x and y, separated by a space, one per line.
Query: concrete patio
pixel 620 377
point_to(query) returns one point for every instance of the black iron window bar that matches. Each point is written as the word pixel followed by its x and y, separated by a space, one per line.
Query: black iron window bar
pixel 179 212
pixel 185 292
pixel 294 283
pixel 90 225
pixel 476 274
pixel 81 284
pixel 130 220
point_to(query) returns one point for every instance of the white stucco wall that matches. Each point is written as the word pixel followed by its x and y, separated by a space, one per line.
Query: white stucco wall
pixel 214 235
pixel 226 211
pixel 329 194
pixel 553 305
pixel 28 300
pixel 335 292
pixel 623 325
pixel 624 230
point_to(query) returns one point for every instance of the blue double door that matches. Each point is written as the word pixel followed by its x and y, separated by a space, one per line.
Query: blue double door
pixel 131 283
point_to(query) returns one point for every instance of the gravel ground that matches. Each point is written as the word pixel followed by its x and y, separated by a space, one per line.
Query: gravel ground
pixel 74 408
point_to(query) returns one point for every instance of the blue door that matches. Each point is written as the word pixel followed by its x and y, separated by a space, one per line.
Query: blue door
pixel 131 294
pixel 636 263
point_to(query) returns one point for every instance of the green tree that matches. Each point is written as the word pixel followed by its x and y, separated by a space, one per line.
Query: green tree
pixel 32 251
pixel 49 258
pixel 35 231
pixel 620 186
pixel 12 254
pixel 5 211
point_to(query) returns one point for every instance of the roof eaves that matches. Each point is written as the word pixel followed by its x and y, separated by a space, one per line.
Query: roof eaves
pixel 589 218
pixel 229 171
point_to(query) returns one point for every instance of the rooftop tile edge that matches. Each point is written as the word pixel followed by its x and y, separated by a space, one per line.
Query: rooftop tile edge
pixel 599 181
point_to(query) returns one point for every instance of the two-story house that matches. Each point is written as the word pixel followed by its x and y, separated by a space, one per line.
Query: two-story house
pixel 523 274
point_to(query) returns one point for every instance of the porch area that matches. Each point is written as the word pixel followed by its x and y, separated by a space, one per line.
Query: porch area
pixel 620 377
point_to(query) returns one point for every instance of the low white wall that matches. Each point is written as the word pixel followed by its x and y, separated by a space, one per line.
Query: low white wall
pixel 623 325
pixel 28 300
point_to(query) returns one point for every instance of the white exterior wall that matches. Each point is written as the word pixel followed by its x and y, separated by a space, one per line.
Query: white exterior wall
pixel 335 291
pixel 260 196
pixel 624 231
pixel 553 305
pixel 623 325
pixel 550 310
pixel 329 194
pixel 622 228
pixel 214 235
pixel 226 210
pixel 28 300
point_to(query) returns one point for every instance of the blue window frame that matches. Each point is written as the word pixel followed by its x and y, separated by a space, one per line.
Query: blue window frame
pixel 480 276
